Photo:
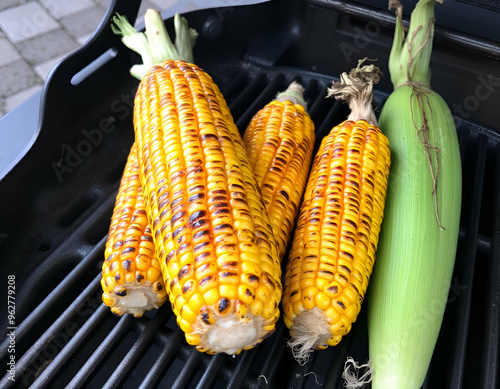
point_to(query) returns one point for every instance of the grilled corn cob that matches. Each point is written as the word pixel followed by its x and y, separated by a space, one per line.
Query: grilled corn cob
pixel 334 246
pixel 212 233
pixel 131 277
pixel 279 143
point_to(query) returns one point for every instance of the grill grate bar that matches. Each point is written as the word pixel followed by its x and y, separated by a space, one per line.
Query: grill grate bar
pixel 240 103
pixel 484 244
pixel 465 262
pixel 211 371
pixel 34 351
pixel 61 290
pixel 275 355
pixel 71 347
pixel 253 104
pixel 163 361
pixel 138 349
pixel 489 370
pixel 234 87
pixel 300 373
pixel 237 376
pixel 342 351
pixel 106 347
pixel 188 371
pixel 320 103
pixel 330 120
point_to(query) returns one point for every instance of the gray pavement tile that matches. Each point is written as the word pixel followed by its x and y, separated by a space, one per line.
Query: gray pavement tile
pixel 9 53
pixel 26 21
pixel 61 8
pixel 84 22
pixel 16 77
pixel 4 4
pixel 43 69
pixel 103 3
pixel 47 46
pixel 145 4
pixel 16 99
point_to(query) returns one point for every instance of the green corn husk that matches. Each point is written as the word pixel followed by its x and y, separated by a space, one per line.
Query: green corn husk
pixel 418 241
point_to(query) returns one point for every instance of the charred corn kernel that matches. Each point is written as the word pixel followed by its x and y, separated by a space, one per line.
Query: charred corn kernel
pixel 336 237
pixel 246 294
pixel 129 249
pixel 279 143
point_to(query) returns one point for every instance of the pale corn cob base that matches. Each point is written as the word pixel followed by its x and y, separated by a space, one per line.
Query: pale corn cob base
pixel 133 298
pixel 232 333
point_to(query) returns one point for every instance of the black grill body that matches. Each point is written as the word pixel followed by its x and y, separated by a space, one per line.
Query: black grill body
pixel 58 200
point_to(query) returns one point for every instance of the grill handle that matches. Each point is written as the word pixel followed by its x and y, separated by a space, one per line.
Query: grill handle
pixel 74 75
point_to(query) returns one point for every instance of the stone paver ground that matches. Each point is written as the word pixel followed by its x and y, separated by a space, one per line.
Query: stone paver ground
pixel 36 34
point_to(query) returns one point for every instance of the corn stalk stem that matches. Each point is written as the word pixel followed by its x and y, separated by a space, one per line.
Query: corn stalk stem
pixel 294 93
pixel 154 45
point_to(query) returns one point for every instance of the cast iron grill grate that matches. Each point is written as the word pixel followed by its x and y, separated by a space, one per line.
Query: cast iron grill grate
pixel 75 341
pixel 65 337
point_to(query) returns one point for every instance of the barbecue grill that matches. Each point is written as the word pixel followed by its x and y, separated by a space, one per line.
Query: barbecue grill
pixel 58 198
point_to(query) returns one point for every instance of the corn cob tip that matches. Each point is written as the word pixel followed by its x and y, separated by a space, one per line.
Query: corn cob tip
pixel 294 93
pixel 310 331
